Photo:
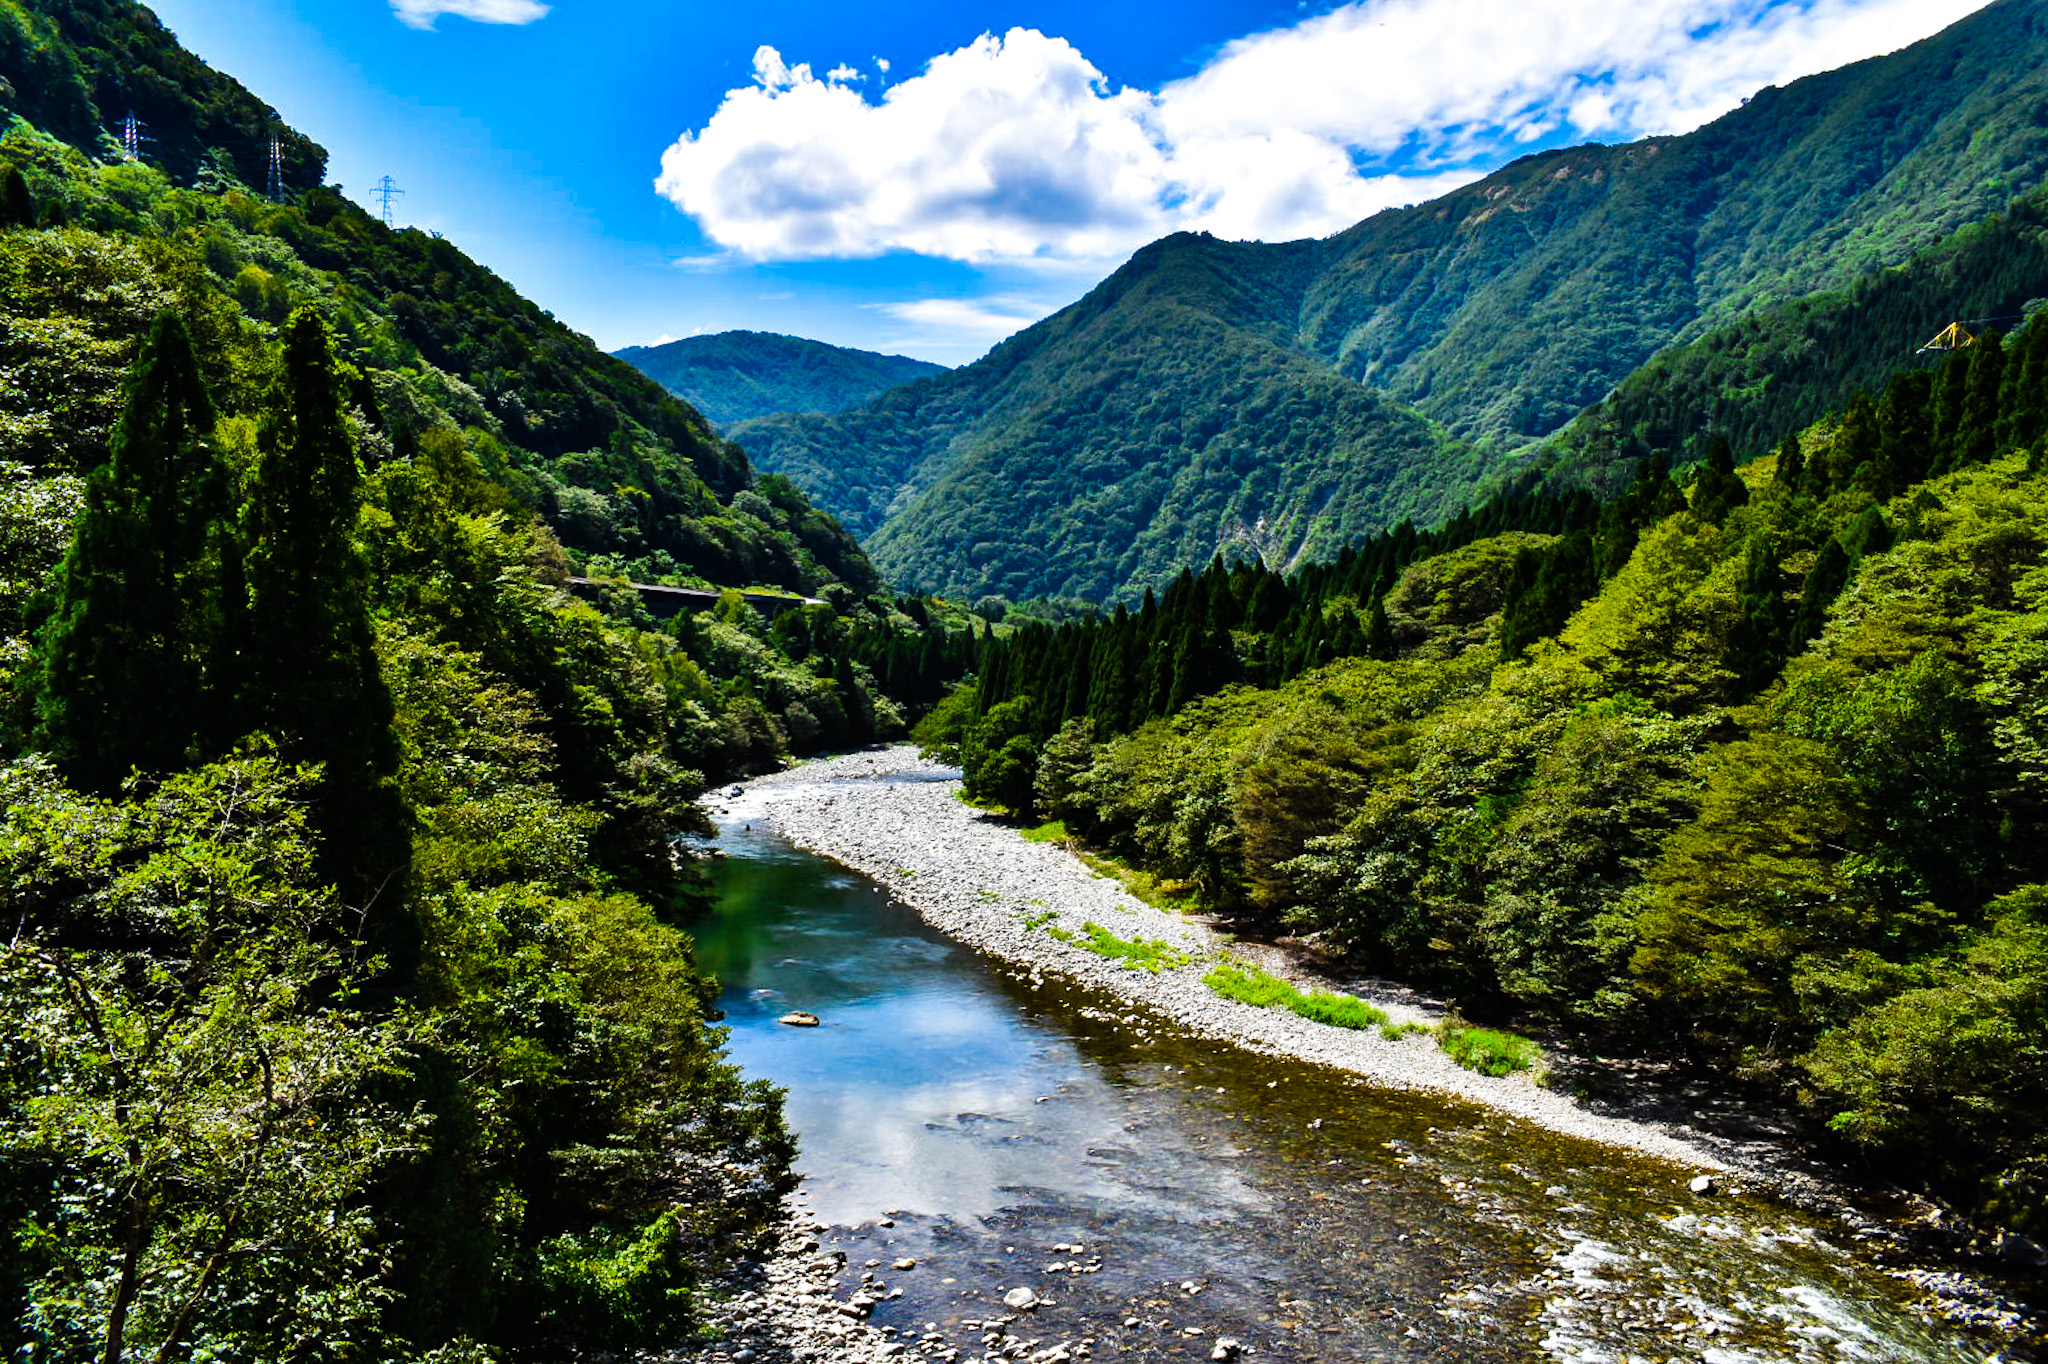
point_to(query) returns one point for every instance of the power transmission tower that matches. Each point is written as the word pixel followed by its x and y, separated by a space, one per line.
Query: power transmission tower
pixel 276 191
pixel 386 191
pixel 131 136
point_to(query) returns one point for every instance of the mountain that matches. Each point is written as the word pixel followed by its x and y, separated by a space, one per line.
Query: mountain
pixel 733 376
pixel 1470 327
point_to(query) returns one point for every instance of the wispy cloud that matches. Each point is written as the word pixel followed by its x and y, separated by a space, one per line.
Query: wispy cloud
pixel 957 323
pixel 423 13
pixel 1016 149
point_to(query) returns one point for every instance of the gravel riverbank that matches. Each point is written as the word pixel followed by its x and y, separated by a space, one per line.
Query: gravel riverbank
pixel 978 881
pixel 895 818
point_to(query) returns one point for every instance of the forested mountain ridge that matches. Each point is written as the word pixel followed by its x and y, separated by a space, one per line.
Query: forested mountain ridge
pixel 734 376
pixel 1775 370
pixel 344 1012
pixel 1494 314
pixel 1162 415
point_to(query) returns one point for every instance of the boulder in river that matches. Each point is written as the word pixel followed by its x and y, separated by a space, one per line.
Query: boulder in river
pixel 1020 1300
pixel 1704 1184
pixel 799 1018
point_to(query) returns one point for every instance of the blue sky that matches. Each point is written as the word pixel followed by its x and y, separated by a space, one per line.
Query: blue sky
pixel 925 179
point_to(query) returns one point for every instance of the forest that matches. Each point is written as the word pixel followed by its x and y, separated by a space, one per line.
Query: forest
pixel 1744 770
pixel 346 1004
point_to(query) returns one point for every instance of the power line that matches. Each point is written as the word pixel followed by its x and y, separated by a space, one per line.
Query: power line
pixel 386 191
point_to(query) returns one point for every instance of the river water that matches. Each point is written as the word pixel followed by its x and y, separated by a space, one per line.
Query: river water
pixel 1161 1192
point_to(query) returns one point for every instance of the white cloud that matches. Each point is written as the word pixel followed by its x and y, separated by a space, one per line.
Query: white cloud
pixel 1018 150
pixel 960 321
pixel 422 13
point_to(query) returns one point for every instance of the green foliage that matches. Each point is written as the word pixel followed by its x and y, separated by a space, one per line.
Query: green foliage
pixel 434 894
pixel 1949 1068
pixel 1147 954
pixel 1687 821
pixel 191 1070
pixel 1249 984
pixel 124 674
pixel 998 760
pixel 738 376
pixel 1487 1051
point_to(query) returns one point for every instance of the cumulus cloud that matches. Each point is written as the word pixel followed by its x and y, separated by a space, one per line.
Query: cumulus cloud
pixel 1017 149
pixel 422 13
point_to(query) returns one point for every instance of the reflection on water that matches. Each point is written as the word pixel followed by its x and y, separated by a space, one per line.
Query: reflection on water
pixel 1150 1185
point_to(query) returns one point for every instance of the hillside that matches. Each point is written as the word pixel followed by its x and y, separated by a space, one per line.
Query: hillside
pixel 1777 369
pixel 734 376
pixel 1135 432
pixel 346 1008
pixel 1491 316
pixel 1745 775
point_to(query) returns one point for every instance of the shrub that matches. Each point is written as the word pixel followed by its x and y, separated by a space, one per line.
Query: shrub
pixel 1487 1051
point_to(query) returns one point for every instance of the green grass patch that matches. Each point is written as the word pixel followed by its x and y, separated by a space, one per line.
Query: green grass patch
pixel 1149 953
pixel 1172 896
pixel 1248 984
pixel 1052 831
pixel 1487 1051
pixel 1040 920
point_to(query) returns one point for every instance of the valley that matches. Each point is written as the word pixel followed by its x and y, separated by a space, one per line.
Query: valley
pixel 1469 787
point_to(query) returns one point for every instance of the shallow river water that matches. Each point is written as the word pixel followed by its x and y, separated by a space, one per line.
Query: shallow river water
pixel 1160 1192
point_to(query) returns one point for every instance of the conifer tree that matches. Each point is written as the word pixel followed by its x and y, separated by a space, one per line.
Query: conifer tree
pixel 309 669
pixel 123 674
pixel 1755 645
pixel 1719 490
pixel 1977 427
pixel 1791 474
pixel 1824 582
pixel 17 205
pixel 2024 401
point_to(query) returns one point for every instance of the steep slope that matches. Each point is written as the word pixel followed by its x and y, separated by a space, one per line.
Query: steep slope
pixel 79 70
pixel 1495 313
pixel 1775 370
pixel 733 376
pixel 1097 452
pixel 1506 306
pixel 614 464
pixel 346 1009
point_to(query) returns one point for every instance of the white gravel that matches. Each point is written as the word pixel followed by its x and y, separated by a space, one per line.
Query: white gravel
pixel 979 881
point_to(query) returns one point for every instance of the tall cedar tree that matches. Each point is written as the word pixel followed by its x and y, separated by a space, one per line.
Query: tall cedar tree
pixel 17 204
pixel 309 669
pixel 121 677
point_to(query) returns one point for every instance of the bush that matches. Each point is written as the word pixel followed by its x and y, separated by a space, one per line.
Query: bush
pixel 1487 1051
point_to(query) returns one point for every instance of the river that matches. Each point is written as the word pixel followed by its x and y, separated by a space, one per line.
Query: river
pixel 997 1131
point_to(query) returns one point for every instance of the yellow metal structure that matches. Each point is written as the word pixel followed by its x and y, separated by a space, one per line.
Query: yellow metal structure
pixel 1952 337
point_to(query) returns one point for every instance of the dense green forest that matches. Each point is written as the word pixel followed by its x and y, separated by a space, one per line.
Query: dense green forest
pixel 1099 451
pixel 1745 771
pixel 736 376
pixel 1775 370
pixel 346 1009
pixel 1283 400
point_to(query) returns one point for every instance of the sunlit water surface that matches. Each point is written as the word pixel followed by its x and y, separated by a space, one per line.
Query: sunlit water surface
pixel 1040 1136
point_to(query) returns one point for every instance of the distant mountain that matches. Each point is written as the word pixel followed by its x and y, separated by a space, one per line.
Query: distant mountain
pixel 732 376
pixel 1291 396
